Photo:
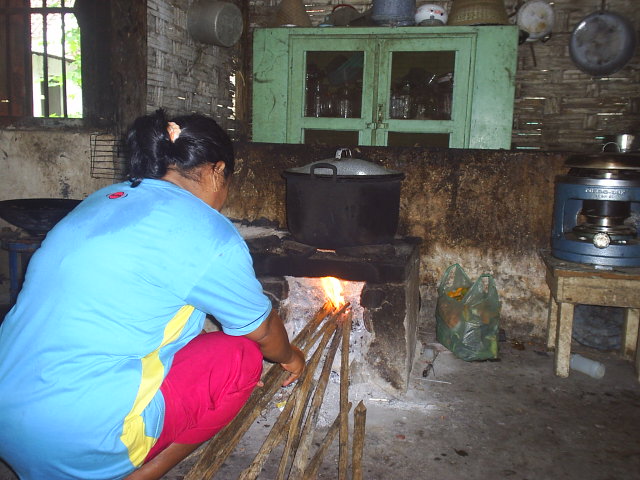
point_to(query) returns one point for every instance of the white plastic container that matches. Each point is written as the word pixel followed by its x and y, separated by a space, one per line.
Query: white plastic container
pixel 587 366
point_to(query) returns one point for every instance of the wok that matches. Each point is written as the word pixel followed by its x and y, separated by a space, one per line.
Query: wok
pixel 36 215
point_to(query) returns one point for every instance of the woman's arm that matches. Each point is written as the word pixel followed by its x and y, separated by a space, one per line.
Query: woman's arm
pixel 274 344
pixel 163 462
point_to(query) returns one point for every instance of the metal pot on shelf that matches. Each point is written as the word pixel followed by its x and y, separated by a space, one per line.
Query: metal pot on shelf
pixel 342 202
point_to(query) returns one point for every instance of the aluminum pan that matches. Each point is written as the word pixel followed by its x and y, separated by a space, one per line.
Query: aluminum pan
pixel 602 43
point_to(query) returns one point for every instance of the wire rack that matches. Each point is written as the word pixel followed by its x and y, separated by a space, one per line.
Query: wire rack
pixel 107 158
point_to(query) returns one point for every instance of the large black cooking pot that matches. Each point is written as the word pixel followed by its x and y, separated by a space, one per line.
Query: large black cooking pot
pixel 342 202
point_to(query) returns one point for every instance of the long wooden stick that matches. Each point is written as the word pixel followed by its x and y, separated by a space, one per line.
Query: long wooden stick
pixel 307 332
pixel 359 420
pixel 343 443
pixel 273 439
pixel 332 318
pixel 301 402
pixel 216 451
pixel 314 465
pixel 301 459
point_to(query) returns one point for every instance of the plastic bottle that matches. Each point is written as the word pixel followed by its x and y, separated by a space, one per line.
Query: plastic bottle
pixel 587 366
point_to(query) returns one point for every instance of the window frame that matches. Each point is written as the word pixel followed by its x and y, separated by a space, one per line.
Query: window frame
pixel 16 82
pixel 114 58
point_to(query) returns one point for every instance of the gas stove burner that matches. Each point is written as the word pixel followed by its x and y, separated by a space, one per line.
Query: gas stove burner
pixel 618 233
pixel 595 204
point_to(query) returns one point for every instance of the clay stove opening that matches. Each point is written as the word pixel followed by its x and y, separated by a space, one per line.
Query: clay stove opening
pixel 380 281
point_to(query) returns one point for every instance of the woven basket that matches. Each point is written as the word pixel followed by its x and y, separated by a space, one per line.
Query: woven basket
pixel 292 12
pixel 478 12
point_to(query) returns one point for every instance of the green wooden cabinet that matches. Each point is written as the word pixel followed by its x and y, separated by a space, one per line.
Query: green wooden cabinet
pixel 405 86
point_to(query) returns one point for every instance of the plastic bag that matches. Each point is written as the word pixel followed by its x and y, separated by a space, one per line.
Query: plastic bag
pixel 468 315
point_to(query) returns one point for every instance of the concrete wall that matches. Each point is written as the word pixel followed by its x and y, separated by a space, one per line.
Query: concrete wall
pixel 46 164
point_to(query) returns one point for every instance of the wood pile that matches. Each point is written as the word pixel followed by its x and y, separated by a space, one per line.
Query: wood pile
pixel 327 331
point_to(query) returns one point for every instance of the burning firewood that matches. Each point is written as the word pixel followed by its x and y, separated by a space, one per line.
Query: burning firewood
pixel 298 419
pixel 216 451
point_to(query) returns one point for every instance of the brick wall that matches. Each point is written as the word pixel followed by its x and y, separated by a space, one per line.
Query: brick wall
pixel 184 75
pixel 557 106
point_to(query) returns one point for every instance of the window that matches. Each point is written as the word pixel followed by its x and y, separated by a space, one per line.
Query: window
pixel 40 68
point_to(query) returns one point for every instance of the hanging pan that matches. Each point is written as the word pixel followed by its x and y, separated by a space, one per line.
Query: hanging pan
pixel 602 43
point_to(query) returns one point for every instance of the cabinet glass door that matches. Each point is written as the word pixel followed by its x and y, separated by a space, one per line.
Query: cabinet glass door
pixel 326 103
pixel 333 84
pixel 421 95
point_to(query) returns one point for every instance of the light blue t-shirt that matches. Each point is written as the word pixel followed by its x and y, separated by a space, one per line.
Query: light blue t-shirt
pixel 116 289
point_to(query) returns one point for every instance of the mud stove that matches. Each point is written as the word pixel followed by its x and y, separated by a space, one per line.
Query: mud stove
pixel 390 297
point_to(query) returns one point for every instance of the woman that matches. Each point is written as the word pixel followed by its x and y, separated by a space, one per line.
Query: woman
pixel 104 372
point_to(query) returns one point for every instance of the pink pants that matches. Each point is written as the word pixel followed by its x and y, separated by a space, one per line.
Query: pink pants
pixel 210 380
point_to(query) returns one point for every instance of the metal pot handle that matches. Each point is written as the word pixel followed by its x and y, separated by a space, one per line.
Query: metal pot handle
pixel 333 168
pixel 341 151
pixel 611 143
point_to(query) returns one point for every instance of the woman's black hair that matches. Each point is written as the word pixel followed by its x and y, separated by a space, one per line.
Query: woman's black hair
pixel 151 153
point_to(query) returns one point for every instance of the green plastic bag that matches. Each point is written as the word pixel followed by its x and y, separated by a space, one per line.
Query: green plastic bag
pixel 468 315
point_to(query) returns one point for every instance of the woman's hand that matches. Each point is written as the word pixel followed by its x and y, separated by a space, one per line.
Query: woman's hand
pixel 295 366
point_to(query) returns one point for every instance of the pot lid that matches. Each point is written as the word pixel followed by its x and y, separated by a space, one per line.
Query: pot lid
pixel 536 17
pixel 345 166
pixel 602 43
pixel 605 161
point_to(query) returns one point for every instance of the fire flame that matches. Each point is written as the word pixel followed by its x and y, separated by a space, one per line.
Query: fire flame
pixel 333 290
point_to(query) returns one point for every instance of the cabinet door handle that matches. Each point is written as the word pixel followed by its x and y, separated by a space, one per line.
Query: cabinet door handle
pixel 380 123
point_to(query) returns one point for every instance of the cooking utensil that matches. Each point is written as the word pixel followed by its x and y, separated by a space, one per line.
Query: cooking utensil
pixel 536 18
pixel 602 43
pixel 624 142
pixel 430 14
pixel 342 202
pixel 36 215
pixel 215 22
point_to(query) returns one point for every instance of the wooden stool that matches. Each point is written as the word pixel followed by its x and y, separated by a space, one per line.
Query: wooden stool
pixel 20 252
pixel 576 283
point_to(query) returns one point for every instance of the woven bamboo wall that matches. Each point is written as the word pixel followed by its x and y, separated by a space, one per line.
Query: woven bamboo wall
pixel 184 75
pixel 557 107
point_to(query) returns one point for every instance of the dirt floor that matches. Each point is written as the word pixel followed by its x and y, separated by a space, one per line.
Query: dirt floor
pixel 511 419
pixel 507 419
